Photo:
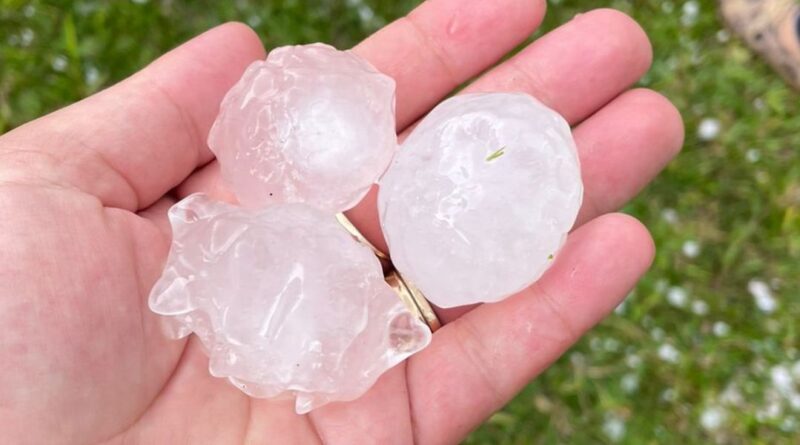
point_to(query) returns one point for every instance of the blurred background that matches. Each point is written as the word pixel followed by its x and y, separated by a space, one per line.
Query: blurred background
pixel 705 350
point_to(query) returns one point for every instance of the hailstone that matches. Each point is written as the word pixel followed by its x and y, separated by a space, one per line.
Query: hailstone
pixel 309 124
pixel 480 197
pixel 285 301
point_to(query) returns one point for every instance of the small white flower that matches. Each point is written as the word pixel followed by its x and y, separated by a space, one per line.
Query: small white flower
pixel 709 129
pixel 657 333
pixel 668 353
pixel 753 155
pixel 677 296
pixel 614 427
pixel 712 418
pixel 691 10
pixel 633 361
pixel 794 401
pixel 691 249
pixel 629 383
pixel 365 12
pixel 773 410
pixel 254 20
pixel 620 309
pixel 700 307
pixel 577 359
pixel 26 37
pixel 782 379
pixel 92 76
pixel 732 396
pixel 670 216
pixel 721 329
pixel 763 296
pixel 59 63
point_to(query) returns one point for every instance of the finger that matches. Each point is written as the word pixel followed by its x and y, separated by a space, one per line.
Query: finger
pixel 480 361
pixel 193 404
pixel 207 180
pixel 623 147
pixel 131 143
pixel 578 67
pixel 575 69
pixel 388 421
pixel 443 43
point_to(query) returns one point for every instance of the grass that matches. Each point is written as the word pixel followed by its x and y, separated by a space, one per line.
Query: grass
pixel 692 357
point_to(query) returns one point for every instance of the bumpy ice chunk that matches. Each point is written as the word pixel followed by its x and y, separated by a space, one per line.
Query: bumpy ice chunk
pixel 480 197
pixel 285 302
pixel 308 124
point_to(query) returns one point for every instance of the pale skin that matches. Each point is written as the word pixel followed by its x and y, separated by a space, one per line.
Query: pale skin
pixel 84 193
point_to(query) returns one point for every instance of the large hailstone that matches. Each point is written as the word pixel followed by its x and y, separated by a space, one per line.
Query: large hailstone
pixel 480 197
pixel 285 301
pixel 309 124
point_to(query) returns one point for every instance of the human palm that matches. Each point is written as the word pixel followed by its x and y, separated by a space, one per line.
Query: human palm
pixel 84 193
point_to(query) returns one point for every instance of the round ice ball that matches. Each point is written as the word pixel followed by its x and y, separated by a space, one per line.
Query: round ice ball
pixel 480 197
pixel 310 124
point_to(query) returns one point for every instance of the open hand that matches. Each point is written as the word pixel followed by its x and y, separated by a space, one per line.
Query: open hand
pixel 83 236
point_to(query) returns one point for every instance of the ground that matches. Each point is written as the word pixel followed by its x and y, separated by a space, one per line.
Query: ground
pixel 705 350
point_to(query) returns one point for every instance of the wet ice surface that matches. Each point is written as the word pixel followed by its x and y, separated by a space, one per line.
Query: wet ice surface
pixel 480 197
pixel 284 300
pixel 309 124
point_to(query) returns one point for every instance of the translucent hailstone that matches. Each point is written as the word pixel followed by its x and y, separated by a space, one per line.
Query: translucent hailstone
pixel 480 197
pixel 284 300
pixel 309 124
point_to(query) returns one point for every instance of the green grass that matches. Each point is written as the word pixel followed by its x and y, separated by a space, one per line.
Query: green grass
pixel 690 340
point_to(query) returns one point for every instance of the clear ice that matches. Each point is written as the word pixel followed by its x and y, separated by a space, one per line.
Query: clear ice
pixel 286 303
pixel 480 197
pixel 284 300
pixel 309 124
